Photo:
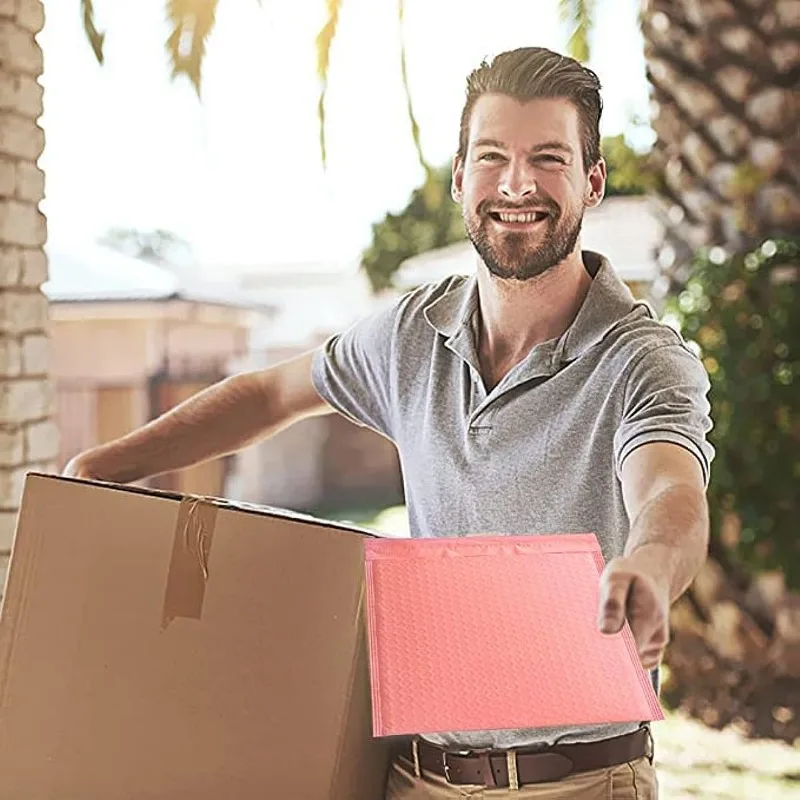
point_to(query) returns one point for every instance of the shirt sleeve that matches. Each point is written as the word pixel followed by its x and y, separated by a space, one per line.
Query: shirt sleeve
pixel 666 400
pixel 353 371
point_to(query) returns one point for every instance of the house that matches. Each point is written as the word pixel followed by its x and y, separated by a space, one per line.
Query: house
pixel 131 339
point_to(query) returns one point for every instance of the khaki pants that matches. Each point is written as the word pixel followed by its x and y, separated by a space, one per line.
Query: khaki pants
pixel 633 781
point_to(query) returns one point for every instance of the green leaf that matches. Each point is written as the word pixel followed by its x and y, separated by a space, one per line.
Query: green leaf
pixel 324 41
pixel 192 22
pixel 578 15
pixel 95 37
pixel 409 105
pixel 429 220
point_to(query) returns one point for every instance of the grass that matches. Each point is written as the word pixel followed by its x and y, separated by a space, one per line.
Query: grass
pixel 693 761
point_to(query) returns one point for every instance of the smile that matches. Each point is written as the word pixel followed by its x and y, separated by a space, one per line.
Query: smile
pixel 525 218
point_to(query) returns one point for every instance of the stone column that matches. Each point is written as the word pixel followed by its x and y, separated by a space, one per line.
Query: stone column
pixel 28 437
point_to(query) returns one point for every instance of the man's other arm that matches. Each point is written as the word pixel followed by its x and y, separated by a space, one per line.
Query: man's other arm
pixel 220 420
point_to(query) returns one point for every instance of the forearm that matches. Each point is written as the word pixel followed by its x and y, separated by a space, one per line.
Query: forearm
pixel 669 537
pixel 219 420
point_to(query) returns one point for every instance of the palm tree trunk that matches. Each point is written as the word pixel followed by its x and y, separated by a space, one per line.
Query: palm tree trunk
pixel 724 77
pixel 28 438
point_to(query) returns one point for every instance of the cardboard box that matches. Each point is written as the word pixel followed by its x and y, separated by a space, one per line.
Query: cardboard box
pixel 153 646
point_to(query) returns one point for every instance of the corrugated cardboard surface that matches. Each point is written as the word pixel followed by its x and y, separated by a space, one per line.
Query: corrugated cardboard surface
pixel 111 688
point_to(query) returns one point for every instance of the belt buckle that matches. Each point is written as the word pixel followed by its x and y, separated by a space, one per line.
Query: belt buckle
pixel 446 767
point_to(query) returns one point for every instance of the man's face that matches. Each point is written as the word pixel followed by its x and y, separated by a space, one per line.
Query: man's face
pixel 522 184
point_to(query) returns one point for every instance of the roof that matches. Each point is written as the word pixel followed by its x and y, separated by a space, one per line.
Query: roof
pixel 624 229
pixel 96 273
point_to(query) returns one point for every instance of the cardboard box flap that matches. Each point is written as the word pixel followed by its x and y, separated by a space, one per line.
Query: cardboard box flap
pixel 220 502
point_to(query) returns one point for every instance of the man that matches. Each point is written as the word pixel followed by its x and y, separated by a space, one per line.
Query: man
pixel 536 397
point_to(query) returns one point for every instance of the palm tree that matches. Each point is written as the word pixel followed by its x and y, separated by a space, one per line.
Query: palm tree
pixel 723 77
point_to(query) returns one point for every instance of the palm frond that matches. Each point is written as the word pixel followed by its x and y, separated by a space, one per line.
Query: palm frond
pixel 409 105
pixel 192 22
pixel 95 37
pixel 578 15
pixel 324 41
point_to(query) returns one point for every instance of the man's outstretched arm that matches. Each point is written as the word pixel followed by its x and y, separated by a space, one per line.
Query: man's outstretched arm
pixel 664 495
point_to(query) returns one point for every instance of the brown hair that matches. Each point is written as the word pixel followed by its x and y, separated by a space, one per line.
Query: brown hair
pixel 532 72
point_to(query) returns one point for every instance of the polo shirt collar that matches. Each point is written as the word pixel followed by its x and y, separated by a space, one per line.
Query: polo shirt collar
pixel 607 302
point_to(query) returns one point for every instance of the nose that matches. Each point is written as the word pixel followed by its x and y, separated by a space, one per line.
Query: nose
pixel 517 182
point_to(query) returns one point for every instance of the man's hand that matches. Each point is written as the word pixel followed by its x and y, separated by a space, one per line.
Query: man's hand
pixel 78 468
pixel 628 590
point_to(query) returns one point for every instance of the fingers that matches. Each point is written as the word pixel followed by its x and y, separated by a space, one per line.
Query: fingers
pixel 614 588
pixel 621 597
pixel 651 657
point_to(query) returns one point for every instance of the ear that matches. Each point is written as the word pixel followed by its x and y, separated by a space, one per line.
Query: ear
pixel 457 184
pixel 596 184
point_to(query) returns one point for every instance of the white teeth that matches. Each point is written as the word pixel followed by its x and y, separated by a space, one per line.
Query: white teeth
pixel 518 217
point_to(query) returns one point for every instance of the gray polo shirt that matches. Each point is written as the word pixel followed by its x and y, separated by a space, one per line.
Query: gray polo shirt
pixel 542 452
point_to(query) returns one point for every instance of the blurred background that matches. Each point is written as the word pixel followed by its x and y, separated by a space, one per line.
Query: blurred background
pixel 191 188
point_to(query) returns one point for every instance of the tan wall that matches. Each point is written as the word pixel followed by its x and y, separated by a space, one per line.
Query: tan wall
pixel 102 351
pixel 28 438
pixel 120 343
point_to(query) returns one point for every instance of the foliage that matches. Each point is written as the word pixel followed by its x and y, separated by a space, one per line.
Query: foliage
pixel 191 24
pixel 324 43
pixel 96 39
pixel 629 172
pixel 156 246
pixel 578 15
pixel 431 219
pixel 743 313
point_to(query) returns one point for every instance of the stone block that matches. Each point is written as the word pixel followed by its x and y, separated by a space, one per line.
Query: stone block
pixel 25 400
pixel 22 312
pixel 10 267
pixel 30 182
pixel 41 442
pixel 22 224
pixel 8 527
pixel 8 177
pixel 12 444
pixel 35 355
pixel 20 138
pixel 30 15
pixel 10 358
pixel 30 97
pixel 19 50
pixel 12 482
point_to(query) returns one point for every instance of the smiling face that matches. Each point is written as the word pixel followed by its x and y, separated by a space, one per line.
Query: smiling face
pixel 522 183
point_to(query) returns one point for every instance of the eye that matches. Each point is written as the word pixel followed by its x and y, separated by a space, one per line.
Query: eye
pixel 551 159
pixel 490 157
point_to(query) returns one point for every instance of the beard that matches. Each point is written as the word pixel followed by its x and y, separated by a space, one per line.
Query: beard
pixel 512 255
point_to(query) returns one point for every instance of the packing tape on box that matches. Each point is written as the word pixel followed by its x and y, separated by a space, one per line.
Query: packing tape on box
pixel 188 568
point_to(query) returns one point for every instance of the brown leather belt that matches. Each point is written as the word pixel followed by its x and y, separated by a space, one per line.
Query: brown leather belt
pixel 490 767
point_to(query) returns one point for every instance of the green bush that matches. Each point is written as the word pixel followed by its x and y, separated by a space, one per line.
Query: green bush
pixel 743 314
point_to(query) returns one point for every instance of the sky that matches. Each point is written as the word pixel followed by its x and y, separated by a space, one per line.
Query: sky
pixel 238 172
